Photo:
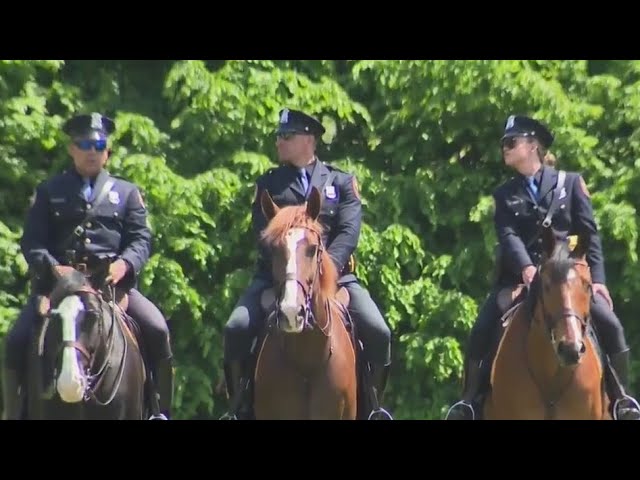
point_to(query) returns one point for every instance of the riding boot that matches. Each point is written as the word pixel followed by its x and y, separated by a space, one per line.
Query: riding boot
pixel 624 407
pixel 237 390
pixel 379 377
pixel 12 395
pixel 473 386
pixel 163 376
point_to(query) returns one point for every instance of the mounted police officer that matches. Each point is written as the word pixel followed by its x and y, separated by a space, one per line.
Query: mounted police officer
pixel 521 204
pixel 341 214
pixel 57 235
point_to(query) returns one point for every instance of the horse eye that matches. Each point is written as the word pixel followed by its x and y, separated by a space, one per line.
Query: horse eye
pixel 311 250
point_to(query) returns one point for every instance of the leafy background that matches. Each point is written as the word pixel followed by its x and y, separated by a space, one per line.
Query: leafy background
pixel 422 138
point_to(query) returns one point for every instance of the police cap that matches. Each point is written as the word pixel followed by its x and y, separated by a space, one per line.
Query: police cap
pixel 294 121
pixel 86 124
pixel 522 126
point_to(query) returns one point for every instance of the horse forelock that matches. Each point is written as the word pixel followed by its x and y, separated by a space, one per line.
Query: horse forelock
pixel 290 217
pixel 70 284
pixel 560 263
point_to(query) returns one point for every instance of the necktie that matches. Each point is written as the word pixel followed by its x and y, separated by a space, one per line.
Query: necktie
pixel 533 188
pixel 87 189
pixel 302 173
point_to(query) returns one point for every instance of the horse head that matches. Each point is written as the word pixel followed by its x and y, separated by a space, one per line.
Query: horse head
pixel 305 277
pixel 564 296
pixel 82 325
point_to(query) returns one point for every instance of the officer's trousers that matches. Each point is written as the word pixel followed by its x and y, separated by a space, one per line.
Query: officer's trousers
pixel 247 319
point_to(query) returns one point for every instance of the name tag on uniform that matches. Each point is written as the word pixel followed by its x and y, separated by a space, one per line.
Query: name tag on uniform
pixel 114 197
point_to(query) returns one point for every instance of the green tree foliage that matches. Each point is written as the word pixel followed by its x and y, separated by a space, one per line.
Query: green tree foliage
pixel 422 138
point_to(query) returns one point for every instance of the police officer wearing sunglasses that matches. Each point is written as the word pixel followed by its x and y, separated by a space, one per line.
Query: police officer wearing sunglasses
pixel 54 239
pixel 521 205
pixel 289 184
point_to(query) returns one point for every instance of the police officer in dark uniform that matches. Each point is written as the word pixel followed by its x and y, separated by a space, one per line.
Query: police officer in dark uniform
pixel 54 239
pixel 289 184
pixel 521 204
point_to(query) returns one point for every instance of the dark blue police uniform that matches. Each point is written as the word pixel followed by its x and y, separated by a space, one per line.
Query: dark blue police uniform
pixel 519 213
pixel 341 216
pixel 55 235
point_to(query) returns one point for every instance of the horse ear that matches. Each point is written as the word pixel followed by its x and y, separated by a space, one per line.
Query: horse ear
pixel 314 203
pixel 548 242
pixel 582 247
pixel 269 208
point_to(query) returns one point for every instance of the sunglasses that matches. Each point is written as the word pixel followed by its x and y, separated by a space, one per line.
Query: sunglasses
pixel 286 136
pixel 86 145
pixel 510 142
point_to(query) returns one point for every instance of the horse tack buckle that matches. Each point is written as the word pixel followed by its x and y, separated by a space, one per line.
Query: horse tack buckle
pixel 81 267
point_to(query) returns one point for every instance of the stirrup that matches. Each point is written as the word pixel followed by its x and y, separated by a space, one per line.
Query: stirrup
pixel 626 398
pixel 228 416
pixel 463 404
pixel 159 416
pixel 380 414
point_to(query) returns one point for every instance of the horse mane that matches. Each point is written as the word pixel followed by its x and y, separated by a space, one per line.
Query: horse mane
pixel 295 216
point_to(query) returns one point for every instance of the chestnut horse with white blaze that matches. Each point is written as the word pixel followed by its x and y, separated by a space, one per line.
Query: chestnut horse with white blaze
pixel 306 368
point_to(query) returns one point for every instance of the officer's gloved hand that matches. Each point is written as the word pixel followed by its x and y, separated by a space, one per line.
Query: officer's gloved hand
pixel 117 270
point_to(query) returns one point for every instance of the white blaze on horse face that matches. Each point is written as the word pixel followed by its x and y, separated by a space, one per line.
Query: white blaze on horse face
pixel 289 302
pixel 573 321
pixel 71 383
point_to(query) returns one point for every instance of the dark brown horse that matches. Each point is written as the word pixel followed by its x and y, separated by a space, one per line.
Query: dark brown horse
pixel 306 367
pixel 85 363
pixel 547 364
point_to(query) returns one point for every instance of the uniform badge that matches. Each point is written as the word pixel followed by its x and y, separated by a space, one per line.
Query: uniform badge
pixel 96 121
pixel 114 197
pixel 284 117
pixel 563 193
pixel 330 192
pixel 510 122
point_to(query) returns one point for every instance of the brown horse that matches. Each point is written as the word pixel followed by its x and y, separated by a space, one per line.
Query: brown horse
pixel 548 366
pixel 306 367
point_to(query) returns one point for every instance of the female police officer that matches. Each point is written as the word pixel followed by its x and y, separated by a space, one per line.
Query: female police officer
pixel 528 195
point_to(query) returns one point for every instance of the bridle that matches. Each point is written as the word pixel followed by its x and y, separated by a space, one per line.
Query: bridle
pixel 307 290
pixel 95 376
pixel 551 320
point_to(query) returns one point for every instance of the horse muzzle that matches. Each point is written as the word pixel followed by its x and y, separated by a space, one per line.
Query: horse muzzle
pixel 570 353
pixel 291 319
